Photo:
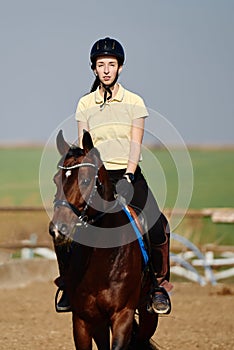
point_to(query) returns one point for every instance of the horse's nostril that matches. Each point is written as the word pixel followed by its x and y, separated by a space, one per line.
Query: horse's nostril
pixel 58 230
pixel 52 230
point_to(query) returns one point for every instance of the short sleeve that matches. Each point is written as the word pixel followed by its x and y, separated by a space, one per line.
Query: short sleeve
pixel 81 111
pixel 139 109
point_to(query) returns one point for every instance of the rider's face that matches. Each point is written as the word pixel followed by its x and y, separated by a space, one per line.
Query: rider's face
pixel 106 68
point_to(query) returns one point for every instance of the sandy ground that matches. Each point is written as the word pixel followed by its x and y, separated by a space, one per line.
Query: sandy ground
pixel 202 318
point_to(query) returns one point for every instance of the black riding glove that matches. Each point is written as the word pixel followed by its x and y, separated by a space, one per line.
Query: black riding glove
pixel 125 188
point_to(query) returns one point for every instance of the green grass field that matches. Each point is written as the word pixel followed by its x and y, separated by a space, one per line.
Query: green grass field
pixel 213 177
pixel 213 181
pixel 19 181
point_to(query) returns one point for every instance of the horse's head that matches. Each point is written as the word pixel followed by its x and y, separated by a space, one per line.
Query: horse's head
pixel 83 188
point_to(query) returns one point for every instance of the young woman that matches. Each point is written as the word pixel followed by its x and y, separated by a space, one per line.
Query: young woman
pixel 115 119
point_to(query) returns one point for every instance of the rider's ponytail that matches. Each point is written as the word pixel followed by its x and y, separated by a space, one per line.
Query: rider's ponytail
pixel 95 85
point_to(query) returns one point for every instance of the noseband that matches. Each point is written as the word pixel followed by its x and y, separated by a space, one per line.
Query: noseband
pixel 83 218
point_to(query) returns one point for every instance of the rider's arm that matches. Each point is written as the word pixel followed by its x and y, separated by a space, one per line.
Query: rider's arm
pixel 137 133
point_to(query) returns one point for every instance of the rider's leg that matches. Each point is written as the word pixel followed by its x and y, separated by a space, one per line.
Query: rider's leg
pixel 144 200
pixel 63 257
pixel 161 266
pixel 159 237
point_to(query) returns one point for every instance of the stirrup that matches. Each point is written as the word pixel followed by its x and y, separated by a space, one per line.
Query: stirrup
pixel 61 308
pixel 162 299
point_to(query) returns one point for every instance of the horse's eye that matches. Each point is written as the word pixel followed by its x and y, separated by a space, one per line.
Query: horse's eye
pixel 85 182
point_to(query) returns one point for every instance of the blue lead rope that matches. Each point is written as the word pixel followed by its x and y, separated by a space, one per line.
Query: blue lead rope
pixel 138 234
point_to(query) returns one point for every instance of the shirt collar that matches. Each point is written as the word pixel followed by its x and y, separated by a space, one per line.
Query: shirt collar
pixel 118 97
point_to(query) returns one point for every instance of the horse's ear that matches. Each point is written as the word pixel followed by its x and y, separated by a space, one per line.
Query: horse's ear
pixel 87 141
pixel 62 146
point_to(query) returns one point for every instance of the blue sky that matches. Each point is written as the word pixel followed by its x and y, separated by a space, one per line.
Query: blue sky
pixel 179 58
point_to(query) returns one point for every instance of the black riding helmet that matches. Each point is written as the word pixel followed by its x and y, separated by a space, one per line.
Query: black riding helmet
pixel 107 46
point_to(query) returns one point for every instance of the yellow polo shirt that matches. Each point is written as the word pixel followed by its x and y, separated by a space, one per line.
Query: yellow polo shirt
pixel 110 125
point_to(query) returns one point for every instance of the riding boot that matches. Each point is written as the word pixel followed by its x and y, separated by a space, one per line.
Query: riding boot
pixel 63 257
pixel 161 267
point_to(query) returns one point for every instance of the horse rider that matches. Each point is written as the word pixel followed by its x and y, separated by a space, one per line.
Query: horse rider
pixel 115 118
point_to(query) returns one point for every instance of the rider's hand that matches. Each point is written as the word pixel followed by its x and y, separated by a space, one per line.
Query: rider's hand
pixel 125 188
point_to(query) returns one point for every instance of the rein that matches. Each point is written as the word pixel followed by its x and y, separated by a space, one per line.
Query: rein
pixel 138 234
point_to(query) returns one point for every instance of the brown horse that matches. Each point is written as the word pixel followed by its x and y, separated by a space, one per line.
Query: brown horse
pixel 104 279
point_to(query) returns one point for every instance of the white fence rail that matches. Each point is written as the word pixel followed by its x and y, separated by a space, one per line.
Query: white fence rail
pixel 190 263
pixel 185 264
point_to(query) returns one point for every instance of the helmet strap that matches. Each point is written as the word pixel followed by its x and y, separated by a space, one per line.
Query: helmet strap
pixel 107 90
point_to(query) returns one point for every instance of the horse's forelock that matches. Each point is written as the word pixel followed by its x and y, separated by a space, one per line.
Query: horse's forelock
pixel 76 152
pixel 73 152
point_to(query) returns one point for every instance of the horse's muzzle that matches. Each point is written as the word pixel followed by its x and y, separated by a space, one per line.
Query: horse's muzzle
pixel 58 231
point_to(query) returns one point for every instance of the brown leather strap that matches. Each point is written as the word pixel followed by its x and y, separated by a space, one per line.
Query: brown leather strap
pixel 136 219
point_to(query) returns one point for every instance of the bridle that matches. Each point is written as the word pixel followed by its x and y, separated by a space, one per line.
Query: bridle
pixel 81 214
